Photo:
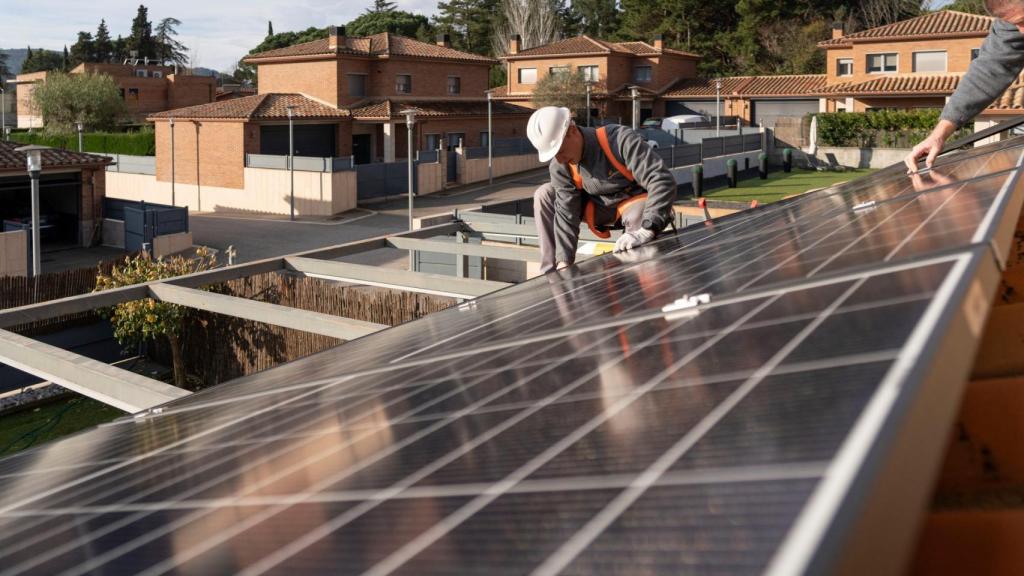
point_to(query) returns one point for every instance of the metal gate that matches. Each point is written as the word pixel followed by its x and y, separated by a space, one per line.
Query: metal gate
pixel 453 165
pixel 144 221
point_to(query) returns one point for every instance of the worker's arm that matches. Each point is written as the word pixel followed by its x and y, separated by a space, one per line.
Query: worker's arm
pixel 999 61
pixel 568 208
pixel 651 174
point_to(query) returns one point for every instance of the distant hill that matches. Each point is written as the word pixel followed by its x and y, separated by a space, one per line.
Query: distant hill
pixel 15 58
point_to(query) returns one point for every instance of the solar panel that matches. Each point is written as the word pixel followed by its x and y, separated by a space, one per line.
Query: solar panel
pixel 575 423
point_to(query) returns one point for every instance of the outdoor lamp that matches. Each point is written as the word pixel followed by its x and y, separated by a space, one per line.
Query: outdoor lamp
pixel 410 120
pixel 34 157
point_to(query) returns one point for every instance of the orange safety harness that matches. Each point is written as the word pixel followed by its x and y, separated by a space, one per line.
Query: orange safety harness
pixel 588 211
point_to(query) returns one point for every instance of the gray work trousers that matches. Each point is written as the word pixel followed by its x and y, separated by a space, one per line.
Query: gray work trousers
pixel 544 216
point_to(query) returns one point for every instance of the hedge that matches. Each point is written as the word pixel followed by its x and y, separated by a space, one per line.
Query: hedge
pixel 142 143
pixel 885 128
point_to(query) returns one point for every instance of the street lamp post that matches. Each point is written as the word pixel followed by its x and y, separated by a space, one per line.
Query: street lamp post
pixel 718 107
pixel 410 121
pixel 3 109
pixel 34 159
pixel 170 122
pixel 79 126
pixel 490 139
pixel 589 87
pixel 634 92
pixel 291 156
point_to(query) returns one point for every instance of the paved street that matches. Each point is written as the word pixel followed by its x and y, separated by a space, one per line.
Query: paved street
pixel 257 237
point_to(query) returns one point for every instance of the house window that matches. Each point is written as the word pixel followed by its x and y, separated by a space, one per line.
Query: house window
pixel 527 75
pixel 454 85
pixel 140 73
pixel 403 84
pixel 844 67
pixel 133 93
pixel 558 70
pixel 158 74
pixel 642 74
pixel 357 85
pixel 932 61
pixel 882 63
pixel 590 73
pixel 974 53
pixel 433 141
pixel 484 138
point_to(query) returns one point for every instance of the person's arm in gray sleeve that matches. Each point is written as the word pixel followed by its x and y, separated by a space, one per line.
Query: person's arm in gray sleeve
pixel 999 61
pixel 650 172
pixel 568 208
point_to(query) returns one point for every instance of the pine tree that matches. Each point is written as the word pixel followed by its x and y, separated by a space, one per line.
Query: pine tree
pixel 83 50
pixel 380 6
pixel 470 23
pixel 102 45
pixel 120 50
pixel 598 18
pixel 168 48
pixel 270 28
pixel 141 39
pixel 29 62
pixel 65 59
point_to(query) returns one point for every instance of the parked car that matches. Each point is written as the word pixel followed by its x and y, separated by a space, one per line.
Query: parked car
pixel 657 138
pixel 651 123
pixel 673 123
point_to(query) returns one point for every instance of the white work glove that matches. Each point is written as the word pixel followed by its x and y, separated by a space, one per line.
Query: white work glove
pixel 631 240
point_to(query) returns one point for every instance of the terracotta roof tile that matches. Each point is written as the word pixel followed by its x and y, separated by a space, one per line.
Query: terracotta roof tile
pixel 379 45
pixel 11 161
pixel 587 45
pixel 388 109
pixel 258 107
pixel 899 85
pixel 943 23
pixel 785 85
pixel 1012 99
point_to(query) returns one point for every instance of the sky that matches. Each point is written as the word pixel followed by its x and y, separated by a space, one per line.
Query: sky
pixel 219 32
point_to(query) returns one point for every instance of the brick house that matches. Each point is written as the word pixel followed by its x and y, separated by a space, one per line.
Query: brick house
pixel 347 95
pixel 145 88
pixel 611 67
pixel 71 192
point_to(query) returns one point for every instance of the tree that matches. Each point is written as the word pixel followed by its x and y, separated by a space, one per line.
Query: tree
pixel 168 48
pixel 66 99
pixel 597 18
pixel 4 70
pixel 147 319
pixel 41 61
pixel 141 39
pixel 396 21
pixel 969 6
pixel 536 22
pixel 64 60
pixel 380 6
pixel 270 28
pixel 794 49
pixel 120 51
pixel 84 50
pixel 561 89
pixel 470 23
pixel 103 47
pixel 881 12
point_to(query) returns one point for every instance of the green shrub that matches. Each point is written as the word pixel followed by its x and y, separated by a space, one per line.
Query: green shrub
pixel 882 129
pixel 141 143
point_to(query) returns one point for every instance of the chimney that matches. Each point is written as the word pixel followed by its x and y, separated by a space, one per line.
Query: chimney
pixel 513 44
pixel 444 40
pixel 837 30
pixel 659 42
pixel 335 38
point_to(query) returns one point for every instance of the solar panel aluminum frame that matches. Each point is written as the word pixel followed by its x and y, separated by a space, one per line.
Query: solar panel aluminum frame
pixel 865 516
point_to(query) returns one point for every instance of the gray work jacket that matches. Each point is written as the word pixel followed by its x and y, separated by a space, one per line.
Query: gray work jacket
pixel 604 185
pixel 999 61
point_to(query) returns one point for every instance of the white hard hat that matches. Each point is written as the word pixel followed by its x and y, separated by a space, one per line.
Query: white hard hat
pixel 546 130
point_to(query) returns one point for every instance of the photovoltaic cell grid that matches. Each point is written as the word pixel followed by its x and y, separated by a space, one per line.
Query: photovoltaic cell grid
pixel 564 425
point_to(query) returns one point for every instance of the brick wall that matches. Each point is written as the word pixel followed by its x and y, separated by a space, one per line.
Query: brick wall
pixel 27 117
pixel 222 149
pixel 317 79
pixel 185 91
pixel 543 64
pixel 958 56
pixel 429 78
pixel 504 127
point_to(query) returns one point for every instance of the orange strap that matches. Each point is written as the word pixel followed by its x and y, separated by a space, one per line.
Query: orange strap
pixel 588 211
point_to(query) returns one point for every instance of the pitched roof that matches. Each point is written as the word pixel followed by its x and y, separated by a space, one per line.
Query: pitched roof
pixel 258 107
pixel 899 85
pixel 381 45
pixel 1012 100
pixel 387 109
pixel 11 161
pixel 587 45
pixel 783 85
pixel 941 24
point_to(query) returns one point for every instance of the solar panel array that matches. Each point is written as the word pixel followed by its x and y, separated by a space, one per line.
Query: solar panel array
pixel 568 424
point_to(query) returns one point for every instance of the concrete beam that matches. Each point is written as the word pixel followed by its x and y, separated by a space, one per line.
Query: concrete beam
pixel 437 284
pixel 315 322
pixel 119 388
pixel 512 252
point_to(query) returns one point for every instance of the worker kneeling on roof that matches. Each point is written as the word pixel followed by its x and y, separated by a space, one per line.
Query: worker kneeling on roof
pixel 607 177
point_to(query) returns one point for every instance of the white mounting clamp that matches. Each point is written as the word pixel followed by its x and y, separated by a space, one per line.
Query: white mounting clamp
pixel 685 306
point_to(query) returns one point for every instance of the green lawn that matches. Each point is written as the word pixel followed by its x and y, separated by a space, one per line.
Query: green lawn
pixel 779 185
pixel 34 426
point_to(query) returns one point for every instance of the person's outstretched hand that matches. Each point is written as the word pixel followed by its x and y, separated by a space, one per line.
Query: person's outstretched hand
pixel 930 147
pixel 633 239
